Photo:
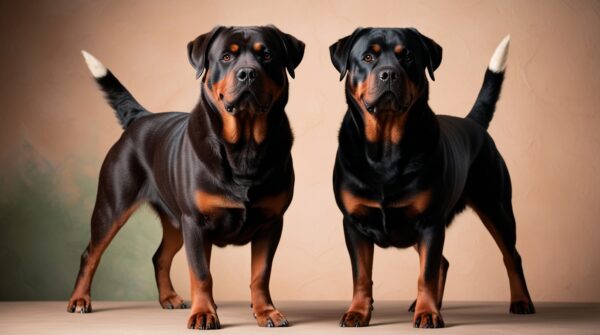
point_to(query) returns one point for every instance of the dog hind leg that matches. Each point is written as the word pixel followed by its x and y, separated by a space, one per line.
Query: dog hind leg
pixel 120 182
pixel 171 243
pixel 500 222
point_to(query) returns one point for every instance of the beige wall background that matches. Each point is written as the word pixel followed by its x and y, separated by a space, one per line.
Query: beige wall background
pixel 53 121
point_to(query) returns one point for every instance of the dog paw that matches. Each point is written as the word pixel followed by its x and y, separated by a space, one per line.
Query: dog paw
pixel 271 318
pixel 428 320
pixel 204 321
pixel 355 319
pixel 80 305
pixel 522 307
pixel 413 306
pixel 173 301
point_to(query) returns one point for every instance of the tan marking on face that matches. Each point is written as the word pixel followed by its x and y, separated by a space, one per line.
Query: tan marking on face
pixel 230 130
pixel 257 47
pixel 247 125
pixel 414 205
pixel 376 48
pixel 208 203
pixel 234 48
pixel 355 204
pixel 360 92
pixel 383 127
pixel 398 49
pixel 275 204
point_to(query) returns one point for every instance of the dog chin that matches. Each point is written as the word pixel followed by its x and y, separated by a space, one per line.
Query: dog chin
pixel 388 102
pixel 246 103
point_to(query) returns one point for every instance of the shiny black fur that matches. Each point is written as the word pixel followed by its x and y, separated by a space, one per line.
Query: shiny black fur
pixel 453 158
pixel 164 159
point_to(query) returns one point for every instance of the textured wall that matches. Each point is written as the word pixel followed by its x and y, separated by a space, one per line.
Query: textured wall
pixel 55 129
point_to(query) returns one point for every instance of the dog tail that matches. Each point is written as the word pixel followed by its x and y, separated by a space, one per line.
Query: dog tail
pixel 119 98
pixel 485 105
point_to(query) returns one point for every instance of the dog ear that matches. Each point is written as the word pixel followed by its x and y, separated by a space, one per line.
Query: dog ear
pixel 198 49
pixel 432 50
pixel 293 48
pixel 340 52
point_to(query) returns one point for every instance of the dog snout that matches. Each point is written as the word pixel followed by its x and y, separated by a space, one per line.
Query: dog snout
pixel 246 75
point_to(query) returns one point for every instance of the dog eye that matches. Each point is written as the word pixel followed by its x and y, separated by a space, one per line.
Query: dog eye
pixel 368 58
pixel 267 56
pixel 408 57
pixel 227 57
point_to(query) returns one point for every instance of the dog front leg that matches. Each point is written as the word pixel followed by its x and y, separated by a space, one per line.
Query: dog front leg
pixel 361 257
pixel 263 248
pixel 430 247
pixel 198 250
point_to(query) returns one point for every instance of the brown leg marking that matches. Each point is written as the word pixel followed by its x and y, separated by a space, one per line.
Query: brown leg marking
pixel 171 243
pixel 520 301
pixel 263 251
pixel 80 300
pixel 441 284
pixel 427 313
pixel 204 310
pixel 361 257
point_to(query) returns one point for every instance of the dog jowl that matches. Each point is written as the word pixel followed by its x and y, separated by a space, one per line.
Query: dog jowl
pixel 219 175
pixel 402 173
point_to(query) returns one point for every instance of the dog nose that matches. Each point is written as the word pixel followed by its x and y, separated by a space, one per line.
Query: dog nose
pixel 246 75
pixel 388 75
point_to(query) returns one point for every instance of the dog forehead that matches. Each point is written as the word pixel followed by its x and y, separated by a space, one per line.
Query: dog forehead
pixel 387 38
pixel 244 38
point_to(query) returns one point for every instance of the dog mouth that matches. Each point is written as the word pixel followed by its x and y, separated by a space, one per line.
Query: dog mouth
pixel 246 101
pixel 388 102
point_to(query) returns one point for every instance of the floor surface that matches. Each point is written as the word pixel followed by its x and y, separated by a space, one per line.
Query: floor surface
pixel 389 317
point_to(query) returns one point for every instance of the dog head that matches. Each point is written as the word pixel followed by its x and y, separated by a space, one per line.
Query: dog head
pixel 244 69
pixel 386 70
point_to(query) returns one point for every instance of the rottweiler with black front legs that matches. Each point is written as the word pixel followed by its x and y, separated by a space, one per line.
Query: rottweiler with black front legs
pixel 220 175
pixel 402 173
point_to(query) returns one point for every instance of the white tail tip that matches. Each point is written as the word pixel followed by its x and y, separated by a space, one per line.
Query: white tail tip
pixel 97 69
pixel 498 61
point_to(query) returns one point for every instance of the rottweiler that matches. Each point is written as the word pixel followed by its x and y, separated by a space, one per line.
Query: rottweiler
pixel 402 173
pixel 220 175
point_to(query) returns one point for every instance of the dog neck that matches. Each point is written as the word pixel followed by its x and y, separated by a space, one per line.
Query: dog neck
pixel 387 160
pixel 246 161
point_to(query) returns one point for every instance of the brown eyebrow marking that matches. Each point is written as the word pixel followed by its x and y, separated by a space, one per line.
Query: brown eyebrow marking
pixel 376 48
pixel 398 49
pixel 234 47
pixel 257 46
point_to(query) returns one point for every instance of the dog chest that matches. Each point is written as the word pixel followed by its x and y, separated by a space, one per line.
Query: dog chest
pixel 411 206
pixel 236 221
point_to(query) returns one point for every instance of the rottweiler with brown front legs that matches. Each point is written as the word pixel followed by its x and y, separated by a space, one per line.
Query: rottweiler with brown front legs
pixel 220 175
pixel 402 173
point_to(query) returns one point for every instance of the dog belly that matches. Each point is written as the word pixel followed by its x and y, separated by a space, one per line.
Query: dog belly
pixel 236 226
pixel 389 227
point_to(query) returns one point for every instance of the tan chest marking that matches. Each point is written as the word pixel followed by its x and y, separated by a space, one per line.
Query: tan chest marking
pixel 208 203
pixel 416 204
pixel 387 127
pixel 355 204
pixel 275 204
pixel 413 206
